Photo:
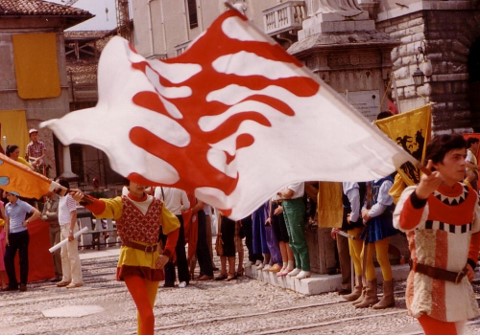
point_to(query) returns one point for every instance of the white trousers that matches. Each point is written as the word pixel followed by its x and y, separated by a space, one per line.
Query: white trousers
pixel 71 264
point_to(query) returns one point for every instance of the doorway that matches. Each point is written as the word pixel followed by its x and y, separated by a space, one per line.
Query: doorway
pixel 474 84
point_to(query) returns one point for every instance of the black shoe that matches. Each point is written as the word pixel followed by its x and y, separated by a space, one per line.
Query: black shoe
pixel 23 288
pixel 11 288
pixel 221 277
pixel 168 285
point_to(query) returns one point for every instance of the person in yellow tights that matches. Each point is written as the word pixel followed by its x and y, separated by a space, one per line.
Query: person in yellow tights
pixel 376 235
pixel 140 220
pixel 353 197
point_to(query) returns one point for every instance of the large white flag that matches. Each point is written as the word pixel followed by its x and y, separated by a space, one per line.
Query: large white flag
pixel 235 118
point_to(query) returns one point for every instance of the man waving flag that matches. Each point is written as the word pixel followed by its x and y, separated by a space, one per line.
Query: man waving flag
pixel 233 119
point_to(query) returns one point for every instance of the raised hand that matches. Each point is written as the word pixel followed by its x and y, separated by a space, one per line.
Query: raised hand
pixel 428 183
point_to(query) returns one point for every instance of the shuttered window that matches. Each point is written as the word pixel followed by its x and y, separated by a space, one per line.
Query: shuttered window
pixel 192 13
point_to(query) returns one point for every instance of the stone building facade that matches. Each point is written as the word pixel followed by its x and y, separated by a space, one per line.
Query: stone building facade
pixel 365 57
pixel 34 19
pixel 447 33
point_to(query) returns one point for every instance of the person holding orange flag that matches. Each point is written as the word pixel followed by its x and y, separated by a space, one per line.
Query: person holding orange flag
pixel 140 220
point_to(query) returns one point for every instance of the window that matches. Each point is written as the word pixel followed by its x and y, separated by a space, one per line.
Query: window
pixel 192 13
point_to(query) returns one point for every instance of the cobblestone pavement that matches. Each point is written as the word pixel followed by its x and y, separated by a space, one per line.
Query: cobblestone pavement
pixel 242 306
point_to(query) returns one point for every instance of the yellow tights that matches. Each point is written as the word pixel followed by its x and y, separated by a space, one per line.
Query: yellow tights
pixel 355 247
pixel 380 248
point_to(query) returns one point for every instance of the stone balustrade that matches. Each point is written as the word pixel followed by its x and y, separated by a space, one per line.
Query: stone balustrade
pixel 286 16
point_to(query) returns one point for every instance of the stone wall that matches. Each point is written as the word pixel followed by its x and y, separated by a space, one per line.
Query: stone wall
pixel 36 110
pixel 445 37
pixel 449 46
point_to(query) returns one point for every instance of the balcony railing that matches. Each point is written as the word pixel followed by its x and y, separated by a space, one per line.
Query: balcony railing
pixel 287 16
pixel 180 48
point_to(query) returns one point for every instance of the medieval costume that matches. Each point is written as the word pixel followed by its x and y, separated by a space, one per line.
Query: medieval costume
pixel 140 221
pixel 443 235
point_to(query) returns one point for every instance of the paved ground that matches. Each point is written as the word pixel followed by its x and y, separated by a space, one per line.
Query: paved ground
pixel 243 306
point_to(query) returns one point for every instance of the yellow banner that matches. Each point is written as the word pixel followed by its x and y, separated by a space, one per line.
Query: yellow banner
pixel 14 127
pixel 330 205
pixel 412 131
pixel 36 65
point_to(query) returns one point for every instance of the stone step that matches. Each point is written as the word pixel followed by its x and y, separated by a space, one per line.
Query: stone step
pixel 317 283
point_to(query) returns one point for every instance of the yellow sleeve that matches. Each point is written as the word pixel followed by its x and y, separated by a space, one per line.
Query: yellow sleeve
pixel 397 188
pixel 170 222
pixel 113 208
pixel 23 161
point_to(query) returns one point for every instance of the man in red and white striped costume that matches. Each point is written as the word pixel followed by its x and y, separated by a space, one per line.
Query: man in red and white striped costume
pixel 441 218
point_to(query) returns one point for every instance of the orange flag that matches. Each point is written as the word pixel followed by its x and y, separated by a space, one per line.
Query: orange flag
pixel 18 178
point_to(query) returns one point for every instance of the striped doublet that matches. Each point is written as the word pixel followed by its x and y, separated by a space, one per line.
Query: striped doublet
pixel 450 228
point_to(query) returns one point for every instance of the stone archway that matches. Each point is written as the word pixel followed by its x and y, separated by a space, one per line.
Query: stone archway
pixel 474 83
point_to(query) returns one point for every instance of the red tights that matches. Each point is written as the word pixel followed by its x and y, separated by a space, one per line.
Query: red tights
pixel 433 326
pixel 143 293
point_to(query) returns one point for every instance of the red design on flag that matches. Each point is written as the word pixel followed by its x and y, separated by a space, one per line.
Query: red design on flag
pixel 197 105
pixel 233 120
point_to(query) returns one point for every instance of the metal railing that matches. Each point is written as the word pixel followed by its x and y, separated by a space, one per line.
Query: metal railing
pixel 287 16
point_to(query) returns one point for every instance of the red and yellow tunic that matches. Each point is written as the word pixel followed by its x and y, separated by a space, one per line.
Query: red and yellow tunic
pixel 442 234
pixel 138 222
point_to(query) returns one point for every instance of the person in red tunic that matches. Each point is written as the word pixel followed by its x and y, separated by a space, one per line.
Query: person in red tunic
pixel 140 220
pixel 441 218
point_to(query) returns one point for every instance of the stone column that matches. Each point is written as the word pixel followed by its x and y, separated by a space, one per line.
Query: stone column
pixel 67 165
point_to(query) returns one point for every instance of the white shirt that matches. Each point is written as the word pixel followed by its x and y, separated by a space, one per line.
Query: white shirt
pixel 352 191
pixel 207 209
pixel 298 189
pixel 66 205
pixel 470 156
pixel 175 200
pixel 383 199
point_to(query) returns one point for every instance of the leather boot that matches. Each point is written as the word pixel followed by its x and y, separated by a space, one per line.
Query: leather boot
pixel 362 295
pixel 357 290
pixel 387 300
pixel 370 297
